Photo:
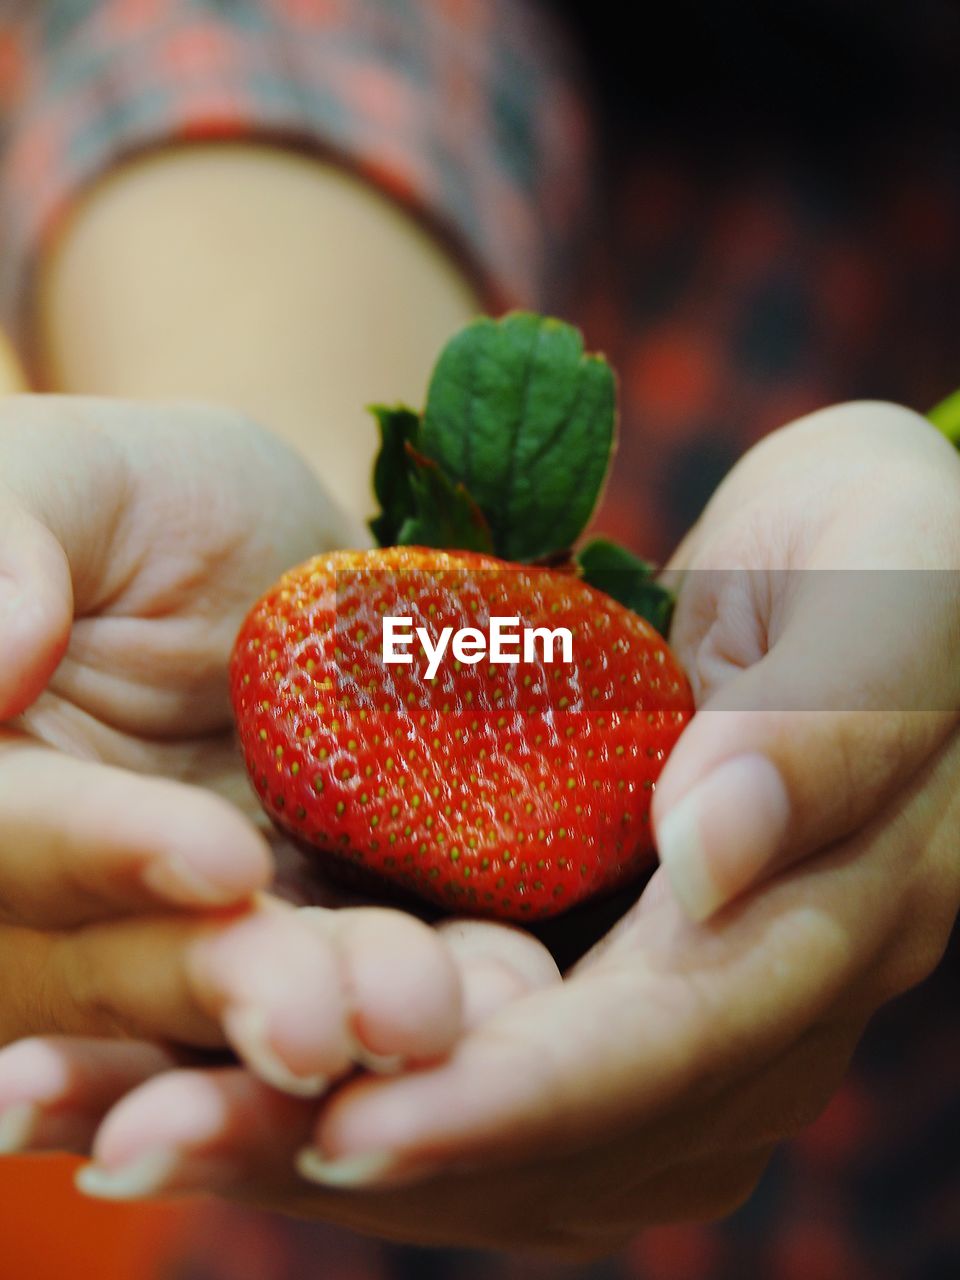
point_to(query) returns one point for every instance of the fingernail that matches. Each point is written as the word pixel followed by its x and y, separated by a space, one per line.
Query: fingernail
pixel 18 1124
pixel 176 880
pixel 347 1171
pixel 715 842
pixel 381 1064
pixel 247 1030
pixel 144 1177
pixel 282 991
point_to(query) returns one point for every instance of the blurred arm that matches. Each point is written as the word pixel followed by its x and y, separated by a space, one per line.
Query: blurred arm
pixel 256 277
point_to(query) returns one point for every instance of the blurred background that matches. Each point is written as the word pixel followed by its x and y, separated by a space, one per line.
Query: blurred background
pixel 768 220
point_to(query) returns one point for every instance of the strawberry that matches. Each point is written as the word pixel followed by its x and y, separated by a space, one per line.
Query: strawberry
pixel 512 788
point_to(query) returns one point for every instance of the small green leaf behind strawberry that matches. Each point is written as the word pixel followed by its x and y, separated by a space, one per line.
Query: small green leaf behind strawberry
pixel 510 457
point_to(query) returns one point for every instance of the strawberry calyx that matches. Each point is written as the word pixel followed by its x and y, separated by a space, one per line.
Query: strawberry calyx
pixel 509 457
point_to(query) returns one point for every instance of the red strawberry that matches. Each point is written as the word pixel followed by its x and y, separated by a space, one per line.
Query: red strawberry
pixel 513 791
pixel 507 790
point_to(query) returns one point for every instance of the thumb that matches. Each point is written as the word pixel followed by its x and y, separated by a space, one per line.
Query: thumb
pixel 802 747
pixel 36 606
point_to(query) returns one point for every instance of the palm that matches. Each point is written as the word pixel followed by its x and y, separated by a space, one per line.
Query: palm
pixel 194 514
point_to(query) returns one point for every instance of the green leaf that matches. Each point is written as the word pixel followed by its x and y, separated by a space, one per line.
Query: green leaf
pixel 445 515
pixel 520 416
pixel 946 418
pixel 620 574
pixel 399 426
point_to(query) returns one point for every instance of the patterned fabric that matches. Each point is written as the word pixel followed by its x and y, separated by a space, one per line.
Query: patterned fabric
pixel 734 289
pixel 732 307
pixel 465 110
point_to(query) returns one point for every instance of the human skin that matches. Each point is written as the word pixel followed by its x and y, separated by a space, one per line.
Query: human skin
pixel 134 858
pixel 652 1084
pixel 258 279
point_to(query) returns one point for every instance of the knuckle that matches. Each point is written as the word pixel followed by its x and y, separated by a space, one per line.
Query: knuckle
pixel 78 897
pixel 77 976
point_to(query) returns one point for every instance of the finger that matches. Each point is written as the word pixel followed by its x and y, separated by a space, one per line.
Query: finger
pixel 660 1020
pixel 403 997
pixel 304 996
pixel 300 1005
pixel 796 749
pixel 176 979
pixel 81 841
pixel 223 1132
pixel 362 986
pixel 55 1091
pixel 36 606
pixel 821 688
pixel 101 519
pixel 498 964
pixel 211 1131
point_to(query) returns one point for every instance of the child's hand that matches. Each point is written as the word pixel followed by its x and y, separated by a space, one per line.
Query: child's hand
pixel 396 995
pixel 133 540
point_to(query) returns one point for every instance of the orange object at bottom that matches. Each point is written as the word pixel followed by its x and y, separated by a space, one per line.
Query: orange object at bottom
pixel 48 1231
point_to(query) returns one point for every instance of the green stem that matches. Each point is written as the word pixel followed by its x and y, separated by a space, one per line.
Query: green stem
pixel 946 418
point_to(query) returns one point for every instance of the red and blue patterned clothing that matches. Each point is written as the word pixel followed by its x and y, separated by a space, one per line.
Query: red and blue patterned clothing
pixel 764 218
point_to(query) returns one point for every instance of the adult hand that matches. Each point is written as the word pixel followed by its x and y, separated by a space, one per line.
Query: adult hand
pixel 654 1082
pixel 134 539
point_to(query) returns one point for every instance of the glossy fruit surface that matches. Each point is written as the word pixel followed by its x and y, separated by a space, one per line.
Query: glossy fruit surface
pixel 509 790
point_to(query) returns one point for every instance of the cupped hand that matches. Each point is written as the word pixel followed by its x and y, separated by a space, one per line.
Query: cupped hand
pixel 653 1083
pixel 819 599
pixel 132 852
pixel 114 623
pixel 650 1087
